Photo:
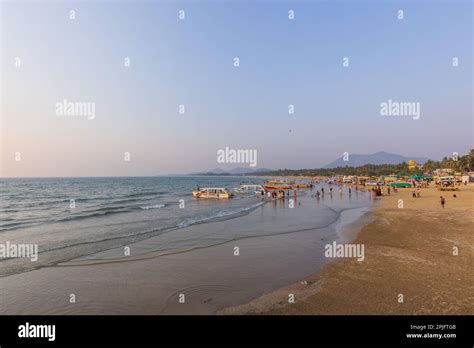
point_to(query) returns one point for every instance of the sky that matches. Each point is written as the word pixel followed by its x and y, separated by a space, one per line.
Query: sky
pixel 47 57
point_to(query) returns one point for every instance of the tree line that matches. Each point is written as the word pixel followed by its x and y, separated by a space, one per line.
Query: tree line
pixel 457 163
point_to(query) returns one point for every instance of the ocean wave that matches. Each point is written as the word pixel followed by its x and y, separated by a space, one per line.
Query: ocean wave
pixel 134 197
pixel 102 211
pixel 95 213
pixel 156 206
pixel 13 223
pixel 219 215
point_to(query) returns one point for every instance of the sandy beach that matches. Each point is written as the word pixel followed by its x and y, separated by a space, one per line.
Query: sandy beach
pixel 409 251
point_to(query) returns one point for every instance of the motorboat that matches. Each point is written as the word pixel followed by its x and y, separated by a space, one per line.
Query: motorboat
pixel 212 192
pixel 249 189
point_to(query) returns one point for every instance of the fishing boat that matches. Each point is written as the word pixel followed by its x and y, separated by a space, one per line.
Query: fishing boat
pixel 278 185
pixel 302 185
pixel 212 192
pixel 249 189
pixel 281 182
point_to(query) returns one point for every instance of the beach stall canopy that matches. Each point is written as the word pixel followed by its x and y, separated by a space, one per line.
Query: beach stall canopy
pixel 421 177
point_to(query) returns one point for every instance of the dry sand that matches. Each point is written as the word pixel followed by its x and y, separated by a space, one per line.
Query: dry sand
pixel 408 251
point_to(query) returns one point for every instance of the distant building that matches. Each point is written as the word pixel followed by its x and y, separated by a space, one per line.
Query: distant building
pixel 412 165
pixel 443 171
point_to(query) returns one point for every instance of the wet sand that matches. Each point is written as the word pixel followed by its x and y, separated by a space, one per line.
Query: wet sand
pixel 277 247
pixel 408 251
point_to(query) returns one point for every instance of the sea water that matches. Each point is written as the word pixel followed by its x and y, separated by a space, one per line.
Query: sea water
pixel 69 218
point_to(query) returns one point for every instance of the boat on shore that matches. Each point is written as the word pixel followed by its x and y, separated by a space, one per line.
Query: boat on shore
pixel 302 185
pixel 250 189
pixel 212 193
pixel 278 185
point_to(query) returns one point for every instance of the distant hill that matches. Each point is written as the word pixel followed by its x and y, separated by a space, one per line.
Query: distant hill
pixel 234 171
pixel 376 158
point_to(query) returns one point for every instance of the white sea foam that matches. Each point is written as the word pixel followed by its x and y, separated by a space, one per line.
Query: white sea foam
pixel 156 206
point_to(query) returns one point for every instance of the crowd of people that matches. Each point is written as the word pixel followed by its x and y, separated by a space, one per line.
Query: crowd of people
pixel 281 194
pixel 375 191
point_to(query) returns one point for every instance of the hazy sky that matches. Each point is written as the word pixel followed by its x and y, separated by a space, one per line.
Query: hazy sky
pixel 190 62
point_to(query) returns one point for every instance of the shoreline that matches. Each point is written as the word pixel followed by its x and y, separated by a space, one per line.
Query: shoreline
pixel 403 248
pixel 277 245
pixel 407 251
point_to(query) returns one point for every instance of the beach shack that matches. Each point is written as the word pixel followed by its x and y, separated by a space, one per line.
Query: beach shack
pixel 447 183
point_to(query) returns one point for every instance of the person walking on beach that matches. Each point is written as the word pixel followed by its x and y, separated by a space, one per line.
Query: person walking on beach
pixel 413 194
pixel 418 192
pixel 442 201
pixel 388 190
